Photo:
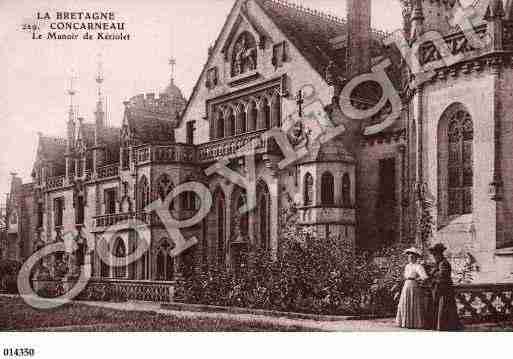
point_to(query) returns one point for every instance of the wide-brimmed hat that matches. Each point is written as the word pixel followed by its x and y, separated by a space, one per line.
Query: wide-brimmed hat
pixel 437 248
pixel 413 250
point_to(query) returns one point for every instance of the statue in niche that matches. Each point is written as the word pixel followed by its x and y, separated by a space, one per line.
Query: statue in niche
pixel 244 55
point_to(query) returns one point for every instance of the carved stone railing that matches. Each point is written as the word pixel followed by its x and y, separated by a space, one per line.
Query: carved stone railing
pixel 234 146
pixel 102 222
pixel 111 219
pixel 176 153
pixel 173 154
pixel 108 171
pixel 55 182
pixel 143 155
pixel 113 289
pixel 485 302
pixel 458 44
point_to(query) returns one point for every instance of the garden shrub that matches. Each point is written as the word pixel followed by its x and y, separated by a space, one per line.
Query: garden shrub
pixel 9 270
pixel 311 275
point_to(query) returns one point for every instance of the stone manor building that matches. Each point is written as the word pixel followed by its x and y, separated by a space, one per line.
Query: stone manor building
pixel 280 65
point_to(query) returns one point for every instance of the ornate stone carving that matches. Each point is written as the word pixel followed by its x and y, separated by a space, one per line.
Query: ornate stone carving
pixel 244 57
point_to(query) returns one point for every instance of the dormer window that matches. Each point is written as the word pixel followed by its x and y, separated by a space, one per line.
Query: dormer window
pixel 244 55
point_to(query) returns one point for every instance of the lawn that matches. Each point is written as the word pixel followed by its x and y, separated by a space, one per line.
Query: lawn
pixel 15 315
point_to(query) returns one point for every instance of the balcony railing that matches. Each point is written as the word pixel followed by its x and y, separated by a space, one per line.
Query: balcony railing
pixel 55 182
pixel 458 44
pixel 166 154
pixel 108 171
pixel 235 146
pixel 112 219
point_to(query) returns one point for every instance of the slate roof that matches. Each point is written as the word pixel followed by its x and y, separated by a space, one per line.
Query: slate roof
pixel 53 149
pixel 148 129
pixel 312 33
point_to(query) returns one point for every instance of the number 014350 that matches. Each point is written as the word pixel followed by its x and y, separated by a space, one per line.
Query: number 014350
pixel 19 352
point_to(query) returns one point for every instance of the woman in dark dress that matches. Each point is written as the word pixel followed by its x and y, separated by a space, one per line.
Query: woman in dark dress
pixel 444 311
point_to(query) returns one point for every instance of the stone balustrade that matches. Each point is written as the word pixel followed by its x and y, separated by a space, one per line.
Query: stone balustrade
pixel 235 146
pixel 108 171
pixel 55 182
pixel 485 302
pixel 458 44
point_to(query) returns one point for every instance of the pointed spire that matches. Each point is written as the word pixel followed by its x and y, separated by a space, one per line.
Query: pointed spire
pixel 71 92
pixel 99 113
pixel 417 19
pixel 71 114
pixel 172 63
pixel 508 10
pixel 494 10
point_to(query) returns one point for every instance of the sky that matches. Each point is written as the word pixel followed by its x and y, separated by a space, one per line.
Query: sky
pixel 35 74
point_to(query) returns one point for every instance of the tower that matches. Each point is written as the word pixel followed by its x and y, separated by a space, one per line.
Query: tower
pixel 358 37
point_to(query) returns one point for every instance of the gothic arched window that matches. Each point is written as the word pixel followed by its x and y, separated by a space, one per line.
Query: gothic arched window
pixel 165 263
pixel 164 186
pixel 120 253
pixel 230 123
pixel 244 54
pixel 308 189
pixel 276 111
pixel 241 119
pixel 253 115
pixel 346 190
pixel 460 163
pixel 144 193
pixel 327 189
pixel 265 114
pixel 220 124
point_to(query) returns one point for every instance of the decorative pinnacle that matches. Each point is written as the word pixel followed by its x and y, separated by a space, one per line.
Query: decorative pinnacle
pixel 71 90
pixel 172 63
pixel 99 76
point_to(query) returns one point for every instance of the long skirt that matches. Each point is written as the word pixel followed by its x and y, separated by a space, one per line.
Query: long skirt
pixel 411 311
pixel 445 313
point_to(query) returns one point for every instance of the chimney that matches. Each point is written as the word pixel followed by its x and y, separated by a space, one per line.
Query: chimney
pixel 358 37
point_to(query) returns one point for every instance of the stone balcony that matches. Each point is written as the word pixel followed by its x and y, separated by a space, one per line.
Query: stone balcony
pixel 109 171
pixel 176 153
pixel 235 146
pixel 327 215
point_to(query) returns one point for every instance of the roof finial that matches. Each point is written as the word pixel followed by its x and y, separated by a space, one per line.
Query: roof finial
pixel 172 63
pixel 71 92
pixel 99 77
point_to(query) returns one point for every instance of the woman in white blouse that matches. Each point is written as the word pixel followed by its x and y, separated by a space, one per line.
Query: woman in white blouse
pixel 411 311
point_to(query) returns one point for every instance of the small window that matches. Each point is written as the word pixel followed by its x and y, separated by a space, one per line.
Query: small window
pixel 110 201
pixel 40 215
pixel 279 55
pixel 80 210
pixel 346 190
pixel 191 127
pixel 309 185
pixel 58 211
pixel 327 189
